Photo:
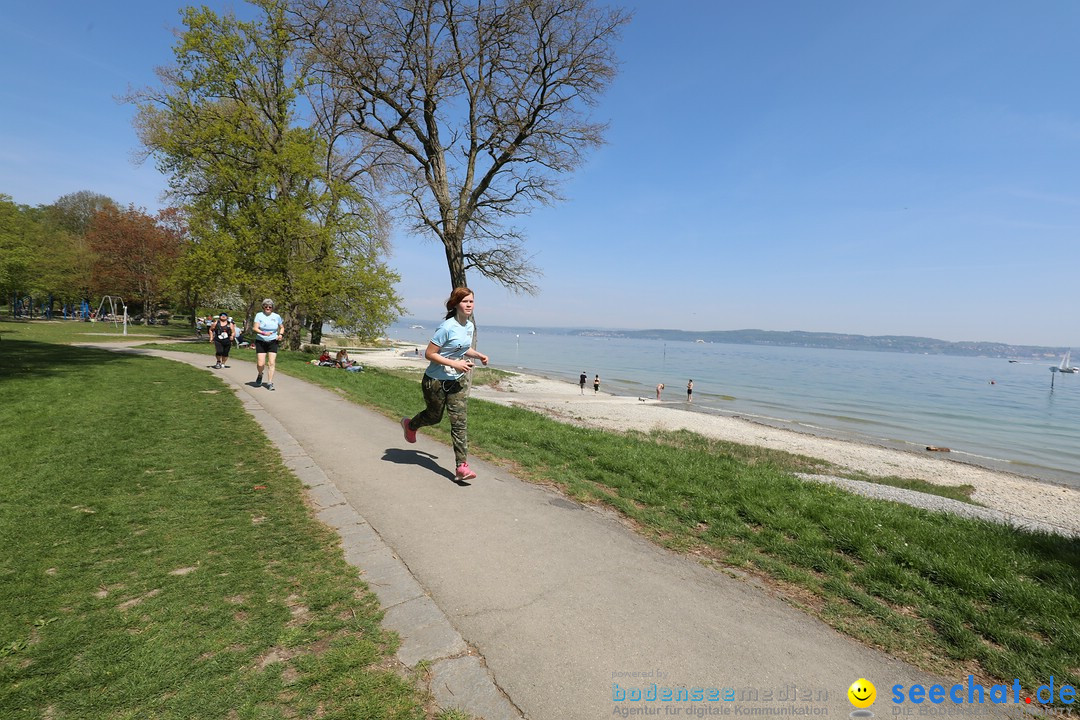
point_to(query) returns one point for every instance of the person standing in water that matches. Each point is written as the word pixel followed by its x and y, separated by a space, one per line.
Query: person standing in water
pixel 596 384
pixel 582 380
pixel 446 381
pixel 659 390
pixel 690 391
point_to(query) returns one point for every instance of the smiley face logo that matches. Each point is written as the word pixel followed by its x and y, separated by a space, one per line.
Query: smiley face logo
pixel 862 693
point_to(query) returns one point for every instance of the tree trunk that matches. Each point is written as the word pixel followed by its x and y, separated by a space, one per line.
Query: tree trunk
pixel 193 303
pixel 455 260
pixel 249 314
pixel 292 328
pixel 315 328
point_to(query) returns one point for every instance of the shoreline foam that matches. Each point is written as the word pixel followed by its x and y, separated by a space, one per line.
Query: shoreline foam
pixel 1035 499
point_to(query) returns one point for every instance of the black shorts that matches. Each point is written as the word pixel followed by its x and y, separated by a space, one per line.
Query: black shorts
pixel 266 346
pixel 222 347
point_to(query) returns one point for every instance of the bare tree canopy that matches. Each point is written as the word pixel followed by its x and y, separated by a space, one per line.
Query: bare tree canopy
pixel 474 111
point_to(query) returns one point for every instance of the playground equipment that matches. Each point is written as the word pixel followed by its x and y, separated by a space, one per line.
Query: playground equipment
pixel 113 302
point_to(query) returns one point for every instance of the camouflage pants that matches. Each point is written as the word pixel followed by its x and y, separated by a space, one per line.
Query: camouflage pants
pixel 451 396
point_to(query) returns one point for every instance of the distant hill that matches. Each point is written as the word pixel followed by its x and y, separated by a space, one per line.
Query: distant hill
pixel 841 341
pixel 880 343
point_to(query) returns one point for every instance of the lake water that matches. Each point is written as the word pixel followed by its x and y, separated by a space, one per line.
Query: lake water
pixel 1017 423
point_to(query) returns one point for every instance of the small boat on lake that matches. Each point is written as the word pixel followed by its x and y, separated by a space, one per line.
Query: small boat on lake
pixel 416 327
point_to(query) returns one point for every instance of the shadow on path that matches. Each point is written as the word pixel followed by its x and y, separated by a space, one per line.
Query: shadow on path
pixel 424 460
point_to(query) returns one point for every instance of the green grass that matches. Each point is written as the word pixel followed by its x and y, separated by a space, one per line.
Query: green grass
pixel 951 595
pixel 947 593
pixel 73 331
pixel 158 560
pixel 795 463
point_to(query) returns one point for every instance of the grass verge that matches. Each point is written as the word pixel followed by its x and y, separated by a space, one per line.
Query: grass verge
pixel 157 559
pixel 67 331
pixel 949 594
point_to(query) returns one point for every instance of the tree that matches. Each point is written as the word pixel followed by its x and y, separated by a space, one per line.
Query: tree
pixel 473 110
pixel 133 255
pixel 66 259
pixel 74 211
pixel 63 265
pixel 266 206
pixel 186 278
pixel 17 234
pixel 43 250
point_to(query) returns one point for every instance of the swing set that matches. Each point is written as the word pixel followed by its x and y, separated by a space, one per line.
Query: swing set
pixel 117 311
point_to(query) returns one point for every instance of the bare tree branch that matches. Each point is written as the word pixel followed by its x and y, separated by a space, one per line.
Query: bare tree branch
pixel 470 112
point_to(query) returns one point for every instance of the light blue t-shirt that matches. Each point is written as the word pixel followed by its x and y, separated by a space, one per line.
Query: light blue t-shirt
pixel 271 323
pixel 453 340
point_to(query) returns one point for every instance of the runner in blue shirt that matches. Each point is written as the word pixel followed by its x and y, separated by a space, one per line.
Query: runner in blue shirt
pixel 446 380
pixel 268 327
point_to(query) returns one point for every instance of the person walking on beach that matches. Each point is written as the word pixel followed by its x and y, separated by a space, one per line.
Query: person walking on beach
pixel 659 390
pixel 596 385
pixel 582 380
pixel 690 391
pixel 221 334
pixel 268 330
pixel 446 381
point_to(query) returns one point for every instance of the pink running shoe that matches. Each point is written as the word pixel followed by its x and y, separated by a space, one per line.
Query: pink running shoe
pixel 464 473
pixel 410 434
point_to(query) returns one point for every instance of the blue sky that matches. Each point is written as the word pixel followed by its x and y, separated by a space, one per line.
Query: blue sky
pixel 905 168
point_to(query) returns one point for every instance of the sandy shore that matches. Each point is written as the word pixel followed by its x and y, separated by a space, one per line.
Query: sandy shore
pixel 1044 502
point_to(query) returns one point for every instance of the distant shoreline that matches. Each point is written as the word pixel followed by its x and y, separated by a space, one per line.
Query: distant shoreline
pixel 825 340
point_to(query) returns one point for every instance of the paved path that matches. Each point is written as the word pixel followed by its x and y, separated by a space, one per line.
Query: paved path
pixel 531 605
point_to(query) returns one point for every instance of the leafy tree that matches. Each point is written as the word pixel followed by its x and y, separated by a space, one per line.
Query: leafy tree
pixel 185 278
pixel 65 257
pixel 267 206
pixel 133 254
pixel 43 251
pixel 63 264
pixel 74 211
pixel 471 110
pixel 17 240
